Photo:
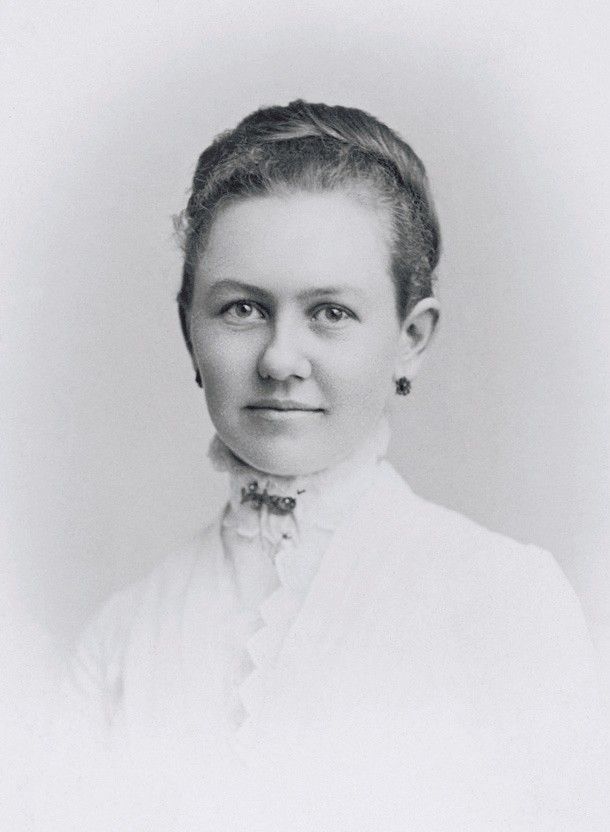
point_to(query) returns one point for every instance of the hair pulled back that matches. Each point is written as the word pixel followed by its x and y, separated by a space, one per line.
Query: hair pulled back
pixel 316 147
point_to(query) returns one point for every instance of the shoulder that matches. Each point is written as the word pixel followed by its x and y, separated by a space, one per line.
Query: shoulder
pixel 451 537
pixel 140 611
pixel 481 575
pixel 162 586
pixel 506 607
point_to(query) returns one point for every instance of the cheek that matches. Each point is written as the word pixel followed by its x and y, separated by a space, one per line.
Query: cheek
pixel 364 371
pixel 223 362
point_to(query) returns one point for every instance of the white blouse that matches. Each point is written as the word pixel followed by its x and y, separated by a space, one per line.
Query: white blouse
pixel 387 655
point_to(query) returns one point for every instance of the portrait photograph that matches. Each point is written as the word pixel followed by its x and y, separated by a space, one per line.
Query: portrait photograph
pixel 304 435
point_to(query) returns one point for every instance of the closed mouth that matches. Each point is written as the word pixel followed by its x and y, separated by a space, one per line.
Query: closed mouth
pixel 285 406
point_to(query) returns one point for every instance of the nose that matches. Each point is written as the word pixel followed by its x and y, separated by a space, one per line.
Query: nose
pixel 282 356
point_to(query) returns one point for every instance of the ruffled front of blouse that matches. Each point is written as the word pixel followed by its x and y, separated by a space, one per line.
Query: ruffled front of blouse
pixel 274 558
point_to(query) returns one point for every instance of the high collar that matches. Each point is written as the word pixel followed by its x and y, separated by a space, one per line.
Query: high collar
pixel 321 498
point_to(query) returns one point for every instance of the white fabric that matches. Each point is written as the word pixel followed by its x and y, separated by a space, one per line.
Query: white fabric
pixel 436 676
pixel 274 557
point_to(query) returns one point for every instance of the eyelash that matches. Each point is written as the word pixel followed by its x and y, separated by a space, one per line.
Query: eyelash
pixel 346 312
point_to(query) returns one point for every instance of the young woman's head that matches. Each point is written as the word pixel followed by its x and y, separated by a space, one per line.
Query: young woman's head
pixel 310 245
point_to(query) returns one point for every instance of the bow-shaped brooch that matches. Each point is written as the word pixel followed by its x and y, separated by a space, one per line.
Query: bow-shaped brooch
pixel 274 502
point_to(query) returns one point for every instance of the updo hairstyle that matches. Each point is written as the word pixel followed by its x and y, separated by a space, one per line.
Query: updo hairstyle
pixel 316 147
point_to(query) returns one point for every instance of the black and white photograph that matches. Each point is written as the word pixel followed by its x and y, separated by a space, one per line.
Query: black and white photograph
pixel 304 434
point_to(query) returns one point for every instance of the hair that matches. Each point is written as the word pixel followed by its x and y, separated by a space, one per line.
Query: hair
pixel 316 147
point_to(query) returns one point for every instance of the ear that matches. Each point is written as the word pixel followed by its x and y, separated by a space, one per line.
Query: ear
pixel 416 335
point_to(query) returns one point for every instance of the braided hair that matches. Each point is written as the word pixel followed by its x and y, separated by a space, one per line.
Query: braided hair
pixel 316 147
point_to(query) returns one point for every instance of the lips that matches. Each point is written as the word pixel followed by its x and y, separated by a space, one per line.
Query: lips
pixel 286 405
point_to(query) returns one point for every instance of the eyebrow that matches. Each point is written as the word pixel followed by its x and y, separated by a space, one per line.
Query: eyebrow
pixel 322 291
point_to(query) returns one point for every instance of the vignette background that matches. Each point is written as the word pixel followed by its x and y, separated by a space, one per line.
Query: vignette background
pixel 104 433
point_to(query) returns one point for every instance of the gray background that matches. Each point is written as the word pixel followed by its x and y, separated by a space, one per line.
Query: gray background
pixel 104 433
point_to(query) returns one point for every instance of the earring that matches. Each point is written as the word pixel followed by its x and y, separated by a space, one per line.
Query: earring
pixel 198 378
pixel 403 386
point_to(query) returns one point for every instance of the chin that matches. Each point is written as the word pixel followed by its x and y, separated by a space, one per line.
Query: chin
pixel 283 459
pixel 284 465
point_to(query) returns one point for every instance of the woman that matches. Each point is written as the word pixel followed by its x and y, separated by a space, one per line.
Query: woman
pixel 331 620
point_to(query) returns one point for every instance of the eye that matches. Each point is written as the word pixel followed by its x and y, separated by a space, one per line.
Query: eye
pixel 333 315
pixel 241 310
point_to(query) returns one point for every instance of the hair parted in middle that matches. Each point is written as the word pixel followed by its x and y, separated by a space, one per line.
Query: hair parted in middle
pixel 316 147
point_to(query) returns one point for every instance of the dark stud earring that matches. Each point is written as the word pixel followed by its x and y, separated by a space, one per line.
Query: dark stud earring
pixel 403 386
pixel 198 378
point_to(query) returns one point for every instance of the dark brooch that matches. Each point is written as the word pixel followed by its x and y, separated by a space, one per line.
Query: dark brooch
pixel 274 502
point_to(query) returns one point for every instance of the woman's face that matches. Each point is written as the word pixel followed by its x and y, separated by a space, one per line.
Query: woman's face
pixel 294 328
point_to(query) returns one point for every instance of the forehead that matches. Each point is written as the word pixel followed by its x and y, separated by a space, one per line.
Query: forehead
pixel 297 241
